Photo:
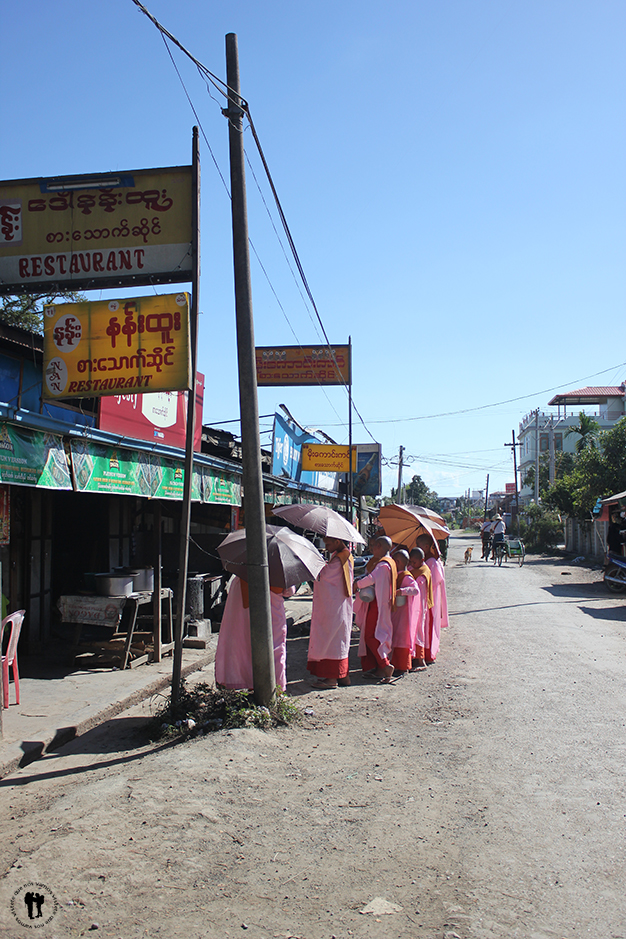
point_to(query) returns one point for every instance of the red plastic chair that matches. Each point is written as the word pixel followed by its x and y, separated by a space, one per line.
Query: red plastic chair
pixel 10 659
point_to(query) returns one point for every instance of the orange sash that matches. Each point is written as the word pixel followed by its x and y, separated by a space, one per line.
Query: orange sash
pixel 348 568
pixel 245 592
pixel 394 576
pixel 424 570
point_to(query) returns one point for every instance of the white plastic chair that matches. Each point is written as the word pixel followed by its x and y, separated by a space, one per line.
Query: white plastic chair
pixel 10 659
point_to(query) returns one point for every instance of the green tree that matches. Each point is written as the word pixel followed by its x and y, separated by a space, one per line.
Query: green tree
pixel 588 430
pixel 563 464
pixel 417 493
pixel 597 471
pixel 26 310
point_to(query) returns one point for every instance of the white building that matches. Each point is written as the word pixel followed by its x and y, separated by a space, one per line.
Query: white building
pixel 544 431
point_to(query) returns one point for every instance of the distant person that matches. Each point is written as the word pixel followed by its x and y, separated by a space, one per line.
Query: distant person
pixel 615 534
pixel 233 656
pixel 498 530
pixel 485 537
pixel 331 618
pixel 377 635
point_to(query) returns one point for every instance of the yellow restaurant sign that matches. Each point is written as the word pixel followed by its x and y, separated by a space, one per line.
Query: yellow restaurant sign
pixel 327 458
pixel 132 227
pixel 303 365
pixel 110 347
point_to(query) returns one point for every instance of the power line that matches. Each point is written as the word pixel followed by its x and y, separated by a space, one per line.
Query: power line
pixel 223 88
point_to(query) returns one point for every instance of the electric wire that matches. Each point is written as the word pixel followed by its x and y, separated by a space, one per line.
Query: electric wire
pixel 229 93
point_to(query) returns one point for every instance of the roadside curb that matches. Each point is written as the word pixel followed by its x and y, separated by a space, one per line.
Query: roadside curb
pixel 16 758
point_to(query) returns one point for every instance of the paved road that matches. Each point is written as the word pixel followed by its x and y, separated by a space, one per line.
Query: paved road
pixel 484 799
pixel 538 670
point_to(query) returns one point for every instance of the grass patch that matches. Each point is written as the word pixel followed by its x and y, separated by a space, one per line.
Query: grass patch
pixel 204 709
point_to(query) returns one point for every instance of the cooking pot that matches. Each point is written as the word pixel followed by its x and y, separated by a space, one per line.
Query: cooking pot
pixel 114 585
pixel 144 579
pixel 400 599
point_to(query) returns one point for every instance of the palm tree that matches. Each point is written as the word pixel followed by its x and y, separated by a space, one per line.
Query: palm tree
pixel 588 430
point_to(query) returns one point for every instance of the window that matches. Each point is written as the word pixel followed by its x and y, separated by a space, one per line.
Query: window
pixel 544 444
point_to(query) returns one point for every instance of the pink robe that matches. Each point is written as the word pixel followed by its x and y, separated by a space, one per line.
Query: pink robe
pixel 331 618
pixel 233 656
pixel 408 618
pixel 381 579
pixel 437 617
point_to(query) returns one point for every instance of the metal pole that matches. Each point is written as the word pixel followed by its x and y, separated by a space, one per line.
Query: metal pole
pixel 185 517
pixel 258 573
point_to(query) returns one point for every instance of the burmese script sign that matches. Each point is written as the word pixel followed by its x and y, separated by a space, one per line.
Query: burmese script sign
pixel 132 227
pixel 303 365
pixel 326 458
pixel 110 347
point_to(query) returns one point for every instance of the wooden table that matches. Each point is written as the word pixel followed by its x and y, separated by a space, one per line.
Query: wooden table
pixel 93 615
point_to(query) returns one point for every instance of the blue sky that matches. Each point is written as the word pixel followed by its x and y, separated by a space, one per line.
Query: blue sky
pixel 452 173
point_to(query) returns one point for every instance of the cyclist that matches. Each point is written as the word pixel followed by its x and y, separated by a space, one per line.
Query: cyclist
pixel 497 531
pixel 485 537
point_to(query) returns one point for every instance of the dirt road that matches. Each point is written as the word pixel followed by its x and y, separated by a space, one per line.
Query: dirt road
pixel 482 799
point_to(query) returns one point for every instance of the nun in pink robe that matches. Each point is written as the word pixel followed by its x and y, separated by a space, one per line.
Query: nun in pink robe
pixel 437 617
pixel 331 618
pixel 408 617
pixel 233 656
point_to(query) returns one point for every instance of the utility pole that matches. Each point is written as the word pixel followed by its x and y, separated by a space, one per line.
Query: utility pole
pixel 537 456
pixel 514 445
pixel 399 493
pixel 185 512
pixel 552 453
pixel 486 499
pixel 263 674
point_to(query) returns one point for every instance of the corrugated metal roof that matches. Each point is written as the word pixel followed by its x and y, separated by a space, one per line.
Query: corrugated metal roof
pixel 589 393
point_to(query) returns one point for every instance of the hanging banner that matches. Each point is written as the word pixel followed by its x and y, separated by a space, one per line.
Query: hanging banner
pixel 98 468
pixel 5 515
pixel 287 445
pixel 326 457
pixel 366 475
pixel 32 458
pixel 104 229
pixel 303 365
pixel 111 347
pixel 159 417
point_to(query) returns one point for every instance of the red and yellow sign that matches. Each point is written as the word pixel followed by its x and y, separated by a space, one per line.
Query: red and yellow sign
pixel 112 347
pixel 327 457
pixel 132 227
pixel 303 365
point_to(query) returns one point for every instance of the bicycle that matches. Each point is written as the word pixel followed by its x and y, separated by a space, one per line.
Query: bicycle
pixel 499 552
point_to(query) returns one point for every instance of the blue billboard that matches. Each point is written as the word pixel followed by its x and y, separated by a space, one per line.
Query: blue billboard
pixel 287 456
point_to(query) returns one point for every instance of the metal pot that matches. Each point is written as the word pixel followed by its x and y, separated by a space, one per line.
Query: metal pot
pixel 114 585
pixel 400 599
pixel 367 594
pixel 144 579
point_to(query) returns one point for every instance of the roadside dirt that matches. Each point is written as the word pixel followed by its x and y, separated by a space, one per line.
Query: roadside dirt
pixel 482 799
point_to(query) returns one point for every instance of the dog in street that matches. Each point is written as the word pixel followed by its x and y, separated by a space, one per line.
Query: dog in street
pixel 468 554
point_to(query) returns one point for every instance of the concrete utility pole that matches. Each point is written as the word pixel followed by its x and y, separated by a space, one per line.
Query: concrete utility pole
pixel 400 500
pixel 486 498
pixel 537 456
pixel 264 677
pixel 552 453
pixel 515 445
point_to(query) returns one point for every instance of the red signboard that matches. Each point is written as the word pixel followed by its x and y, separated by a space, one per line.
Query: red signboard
pixel 160 417
pixel 509 488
